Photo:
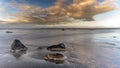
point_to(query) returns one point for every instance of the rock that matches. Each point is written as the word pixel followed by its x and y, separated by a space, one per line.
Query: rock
pixel 39 48
pixel 17 45
pixel 114 37
pixel 63 29
pixel 58 47
pixel 9 32
pixel 55 58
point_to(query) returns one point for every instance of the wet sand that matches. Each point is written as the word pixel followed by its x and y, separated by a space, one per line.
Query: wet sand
pixel 87 48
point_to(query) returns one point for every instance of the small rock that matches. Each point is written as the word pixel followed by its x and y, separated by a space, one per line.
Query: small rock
pixel 9 32
pixel 63 29
pixel 39 48
pixel 17 45
pixel 58 47
pixel 55 58
pixel 114 37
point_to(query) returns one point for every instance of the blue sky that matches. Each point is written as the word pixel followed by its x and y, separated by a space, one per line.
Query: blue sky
pixel 42 3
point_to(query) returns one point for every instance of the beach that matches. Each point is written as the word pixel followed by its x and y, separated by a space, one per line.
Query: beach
pixel 87 48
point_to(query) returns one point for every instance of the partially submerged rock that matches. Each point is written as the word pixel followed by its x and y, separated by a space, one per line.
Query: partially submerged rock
pixel 56 58
pixel 17 45
pixel 58 47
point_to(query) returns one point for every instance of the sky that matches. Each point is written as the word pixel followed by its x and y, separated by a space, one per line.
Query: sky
pixel 54 11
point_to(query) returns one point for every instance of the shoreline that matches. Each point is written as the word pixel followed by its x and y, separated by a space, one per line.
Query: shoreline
pixel 52 28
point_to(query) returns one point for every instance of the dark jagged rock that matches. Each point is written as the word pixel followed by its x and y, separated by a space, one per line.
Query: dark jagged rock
pixel 17 45
pixel 58 47
pixel 55 58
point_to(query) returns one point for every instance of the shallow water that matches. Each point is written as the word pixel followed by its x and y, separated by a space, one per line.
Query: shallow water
pixel 87 48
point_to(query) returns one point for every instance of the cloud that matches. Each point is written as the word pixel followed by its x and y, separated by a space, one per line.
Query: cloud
pixel 61 11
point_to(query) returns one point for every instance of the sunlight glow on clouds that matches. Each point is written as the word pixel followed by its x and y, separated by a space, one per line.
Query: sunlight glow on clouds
pixel 62 11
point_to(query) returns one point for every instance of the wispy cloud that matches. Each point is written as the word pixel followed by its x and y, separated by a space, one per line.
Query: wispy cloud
pixel 60 12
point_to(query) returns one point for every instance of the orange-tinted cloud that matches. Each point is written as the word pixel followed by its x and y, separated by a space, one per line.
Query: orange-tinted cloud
pixel 61 11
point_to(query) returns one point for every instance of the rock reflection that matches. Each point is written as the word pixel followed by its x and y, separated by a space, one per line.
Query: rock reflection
pixel 55 58
pixel 19 53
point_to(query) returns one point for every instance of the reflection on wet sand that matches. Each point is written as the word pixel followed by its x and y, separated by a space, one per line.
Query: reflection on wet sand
pixel 56 58
pixel 18 54
pixel 18 49
pixel 87 49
